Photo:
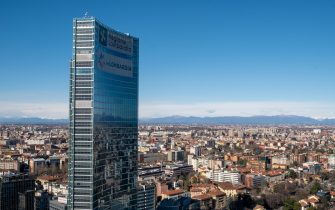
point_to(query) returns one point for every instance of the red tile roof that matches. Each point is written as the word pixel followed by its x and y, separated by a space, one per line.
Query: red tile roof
pixel 48 178
pixel 230 186
pixel 173 192
pixel 202 197
pixel 203 185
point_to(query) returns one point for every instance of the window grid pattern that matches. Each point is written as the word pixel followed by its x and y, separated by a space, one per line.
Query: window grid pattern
pixel 103 136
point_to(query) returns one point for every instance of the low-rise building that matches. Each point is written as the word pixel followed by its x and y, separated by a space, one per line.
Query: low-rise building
pixel 177 169
pixel 224 176
pixel 174 194
pixel 9 165
pixel 232 190
pixel 37 165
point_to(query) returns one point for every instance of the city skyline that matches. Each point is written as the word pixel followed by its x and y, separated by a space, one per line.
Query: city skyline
pixel 218 59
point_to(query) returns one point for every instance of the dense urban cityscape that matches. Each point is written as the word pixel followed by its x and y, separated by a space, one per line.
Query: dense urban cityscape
pixel 184 166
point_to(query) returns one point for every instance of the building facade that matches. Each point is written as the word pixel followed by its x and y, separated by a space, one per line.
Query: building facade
pixel 146 196
pixel 331 161
pixel 10 165
pixel 176 155
pixel 12 188
pixel 224 176
pixel 56 205
pixel 103 118
pixel 254 181
pixel 26 200
pixel 42 200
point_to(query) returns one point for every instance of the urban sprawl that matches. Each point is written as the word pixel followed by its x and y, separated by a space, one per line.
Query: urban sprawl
pixel 184 167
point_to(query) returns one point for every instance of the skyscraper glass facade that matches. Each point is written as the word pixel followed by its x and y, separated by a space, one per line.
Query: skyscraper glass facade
pixel 103 118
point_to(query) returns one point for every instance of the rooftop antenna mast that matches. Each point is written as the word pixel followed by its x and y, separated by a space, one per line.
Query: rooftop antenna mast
pixel 86 15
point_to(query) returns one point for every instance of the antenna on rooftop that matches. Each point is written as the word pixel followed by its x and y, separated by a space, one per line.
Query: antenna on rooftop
pixel 86 14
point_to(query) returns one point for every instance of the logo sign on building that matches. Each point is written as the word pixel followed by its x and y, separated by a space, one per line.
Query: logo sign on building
pixel 114 52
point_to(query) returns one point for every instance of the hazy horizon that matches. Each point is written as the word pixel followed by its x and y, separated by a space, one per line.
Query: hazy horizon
pixel 175 116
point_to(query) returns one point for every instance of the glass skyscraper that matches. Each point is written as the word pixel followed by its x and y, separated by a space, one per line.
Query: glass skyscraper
pixel 103 118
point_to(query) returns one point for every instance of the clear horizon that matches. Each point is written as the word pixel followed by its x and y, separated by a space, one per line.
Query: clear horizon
pixel 196 59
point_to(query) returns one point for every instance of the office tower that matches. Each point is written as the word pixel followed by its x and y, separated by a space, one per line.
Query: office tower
pixel 176 155
pixel 103 118
pixel 146 195
pixel 12 189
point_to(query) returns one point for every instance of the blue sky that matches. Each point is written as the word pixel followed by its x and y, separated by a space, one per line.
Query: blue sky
pixel 200 58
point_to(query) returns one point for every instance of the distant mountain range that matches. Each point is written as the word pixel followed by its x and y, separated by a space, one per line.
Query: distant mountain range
pixel 254 120
pixel 234 120
pixel 33 120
